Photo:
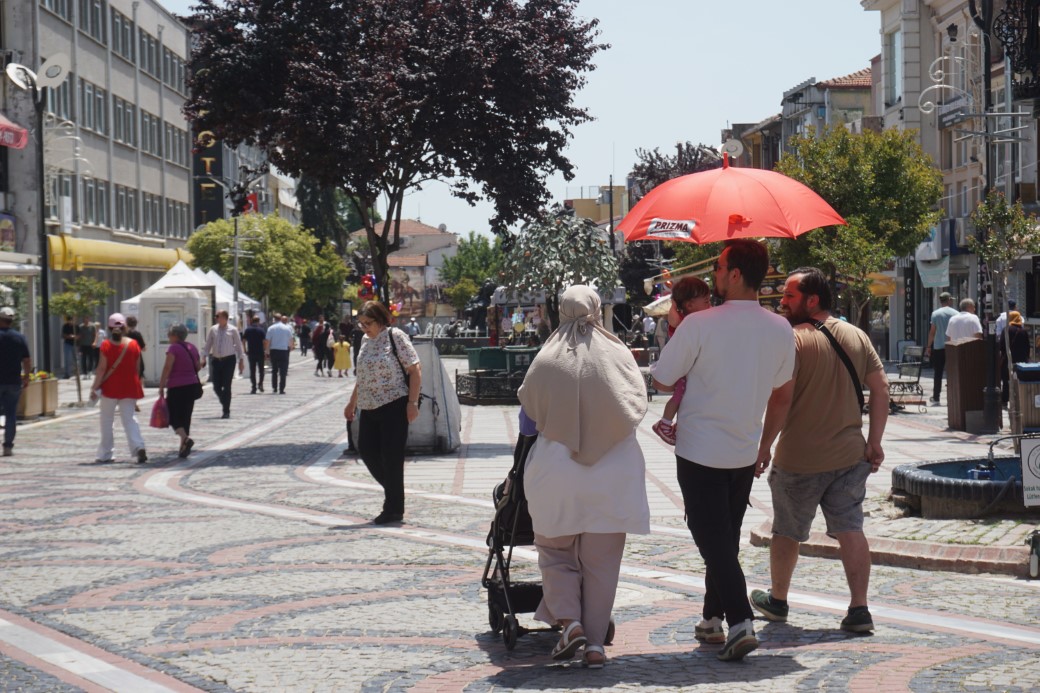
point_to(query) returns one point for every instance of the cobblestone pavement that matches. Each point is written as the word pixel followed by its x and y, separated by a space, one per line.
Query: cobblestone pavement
pixel 250 566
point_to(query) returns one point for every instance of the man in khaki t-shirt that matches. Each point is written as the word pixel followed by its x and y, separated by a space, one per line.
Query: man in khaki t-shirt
pixel 822 459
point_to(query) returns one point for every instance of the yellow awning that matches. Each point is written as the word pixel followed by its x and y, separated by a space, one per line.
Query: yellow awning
pixel 881 284
pixel 75 254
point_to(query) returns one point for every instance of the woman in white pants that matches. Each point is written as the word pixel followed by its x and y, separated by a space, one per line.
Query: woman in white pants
pixel 118 384
pixel 585 475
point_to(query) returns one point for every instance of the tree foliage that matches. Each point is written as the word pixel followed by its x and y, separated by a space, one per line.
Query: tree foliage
pixel 555 251
pixel 323 283
pixel 883 184
pixel 80 297
pixel 461 292
pixel 1005 233
pixel 653 168
pixel 375 97
pixel 476 259
pixel 329 213
pixel 277 258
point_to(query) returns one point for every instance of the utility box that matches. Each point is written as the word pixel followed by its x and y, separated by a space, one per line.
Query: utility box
pixel 160 309
pixel 966 380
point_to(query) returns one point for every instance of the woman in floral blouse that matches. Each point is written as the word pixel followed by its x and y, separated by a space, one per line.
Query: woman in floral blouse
pixel 387 404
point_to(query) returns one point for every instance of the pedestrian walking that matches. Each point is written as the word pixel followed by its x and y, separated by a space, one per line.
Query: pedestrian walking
pixel 15 369
pixel 133 333
pixel 68 345
pixel 822 459
pixel 733 356
pixel 318 339
pixel 341 353
pixel 936 347
pixel 1016 339
pixel 412 328
pixel 99 338
pixel 255 336
pixel 386 397
pixel 118 386
pixel 305 337
pixel 223 349
pixel 965 325
pixel 585 475
pixel 86 333
pixel 279 344
pixel 180 384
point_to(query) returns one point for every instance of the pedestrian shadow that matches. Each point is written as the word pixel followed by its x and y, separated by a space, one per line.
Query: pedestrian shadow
pixel 530 667
pixel 777 634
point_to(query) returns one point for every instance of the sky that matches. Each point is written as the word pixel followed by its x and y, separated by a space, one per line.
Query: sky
pixel 676 71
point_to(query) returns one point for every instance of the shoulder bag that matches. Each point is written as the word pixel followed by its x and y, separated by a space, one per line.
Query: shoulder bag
pixel 115 365
pixel 404 372
pixel 844 359
pixel 198 383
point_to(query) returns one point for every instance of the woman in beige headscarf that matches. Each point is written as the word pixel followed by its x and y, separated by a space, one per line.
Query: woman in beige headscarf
pixel 584 478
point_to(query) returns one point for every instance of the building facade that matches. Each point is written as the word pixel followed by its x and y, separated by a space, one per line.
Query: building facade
pixel 116 147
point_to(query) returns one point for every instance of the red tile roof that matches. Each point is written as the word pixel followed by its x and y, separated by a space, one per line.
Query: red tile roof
pixel 409 227
pixel 395 260
pixel 857 80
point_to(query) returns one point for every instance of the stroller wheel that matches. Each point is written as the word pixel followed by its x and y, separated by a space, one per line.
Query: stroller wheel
pixel 510 631
pixel 495 618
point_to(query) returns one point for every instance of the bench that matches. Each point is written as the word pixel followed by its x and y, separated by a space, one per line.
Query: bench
pixel 906 388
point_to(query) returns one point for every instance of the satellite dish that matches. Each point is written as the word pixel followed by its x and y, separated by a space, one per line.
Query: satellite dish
pixel 53 71
pixel 22 76
pixel 733 147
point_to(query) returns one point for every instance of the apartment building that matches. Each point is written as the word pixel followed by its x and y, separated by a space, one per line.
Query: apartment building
pixel 116 147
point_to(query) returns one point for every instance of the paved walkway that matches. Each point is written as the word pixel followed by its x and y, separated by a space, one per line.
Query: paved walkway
pixel 251 566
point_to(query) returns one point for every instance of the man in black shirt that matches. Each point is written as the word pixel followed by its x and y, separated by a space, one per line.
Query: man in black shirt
pixel 15 367
pixel 68 345
pixel 254 337
pixel 86 335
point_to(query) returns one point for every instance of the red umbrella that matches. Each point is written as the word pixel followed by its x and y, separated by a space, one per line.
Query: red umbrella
pixel 726 203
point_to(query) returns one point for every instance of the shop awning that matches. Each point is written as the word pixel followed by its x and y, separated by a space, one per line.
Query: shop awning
pixel 12 135
pixel 75 254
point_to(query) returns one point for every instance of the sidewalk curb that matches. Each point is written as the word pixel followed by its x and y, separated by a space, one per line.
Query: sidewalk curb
pixel 899 553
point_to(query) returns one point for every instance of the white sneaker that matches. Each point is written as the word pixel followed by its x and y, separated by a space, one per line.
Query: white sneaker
pixel 741 641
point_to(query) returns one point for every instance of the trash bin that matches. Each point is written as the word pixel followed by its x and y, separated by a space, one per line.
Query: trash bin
pixel 1027 382
pixel 486 359
pixel 519 358
pixel 966 380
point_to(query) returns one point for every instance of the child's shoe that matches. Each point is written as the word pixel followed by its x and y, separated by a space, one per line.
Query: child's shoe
pixel 665 430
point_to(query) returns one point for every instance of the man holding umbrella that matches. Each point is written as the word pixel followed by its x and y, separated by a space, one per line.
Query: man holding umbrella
pixel 733 357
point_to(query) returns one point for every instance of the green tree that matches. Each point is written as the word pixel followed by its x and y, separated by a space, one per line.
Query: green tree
pixel 323 283
pixel 329 213
pixel 461 292
pixel 376 98
pixel 80 299
pixel 279 257
pixel 884 185
pixel 557 250
pixel 476 259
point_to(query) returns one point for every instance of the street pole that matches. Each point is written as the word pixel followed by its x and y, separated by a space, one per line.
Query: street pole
pixel 234 284
pixel 45 276
pixel 991 395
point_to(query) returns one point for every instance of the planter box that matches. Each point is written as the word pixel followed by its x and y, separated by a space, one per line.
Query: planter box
pixel 30 405
pixel 50 396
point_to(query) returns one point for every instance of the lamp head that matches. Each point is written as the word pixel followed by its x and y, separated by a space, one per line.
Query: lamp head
pixel 952 31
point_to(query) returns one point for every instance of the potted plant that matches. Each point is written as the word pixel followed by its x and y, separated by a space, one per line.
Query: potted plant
pixel 30 405
pixel 49 385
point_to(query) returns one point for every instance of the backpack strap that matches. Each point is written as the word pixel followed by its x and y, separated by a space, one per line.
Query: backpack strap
pixel 844 359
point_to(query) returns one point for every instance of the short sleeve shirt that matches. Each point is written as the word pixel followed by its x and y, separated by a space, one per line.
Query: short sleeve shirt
pixel 183 372
pixel 940 319
pixel 124 383
pixel 13 349
pixel 824 430
pixel 963 326
pixel 380 379
pixel 732 356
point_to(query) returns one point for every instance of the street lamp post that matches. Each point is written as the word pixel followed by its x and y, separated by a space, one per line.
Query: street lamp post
pixel 52 73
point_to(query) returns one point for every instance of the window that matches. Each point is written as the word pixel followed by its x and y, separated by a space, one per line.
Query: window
pixel 93 113
pixel 176 145
pixel 126 208
pixel 893 57
pixel 124 118
pixel 61 186
pixel 150 140
pixel 92 18
pixel 173 70
pixel 101 203
pixel 59 99
pixel 62 8
pixel 149 53
pixel 122 35
pixel 151 212
pixel 89 201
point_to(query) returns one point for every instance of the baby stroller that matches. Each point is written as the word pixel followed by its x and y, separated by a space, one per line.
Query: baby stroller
pixel 510 527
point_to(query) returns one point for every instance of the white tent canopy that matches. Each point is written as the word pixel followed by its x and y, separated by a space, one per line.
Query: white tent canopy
pixel 180 275
pixel 224 288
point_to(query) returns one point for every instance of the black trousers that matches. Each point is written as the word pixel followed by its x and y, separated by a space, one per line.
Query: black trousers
pixel 279 369
pixel 180 401
pixel 938 365
pixel 715 501
pixel 256 371
pixel 221 372
pixel 382 434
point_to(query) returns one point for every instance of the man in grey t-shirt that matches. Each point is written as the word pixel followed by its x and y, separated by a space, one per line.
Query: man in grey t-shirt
pixel 936 348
